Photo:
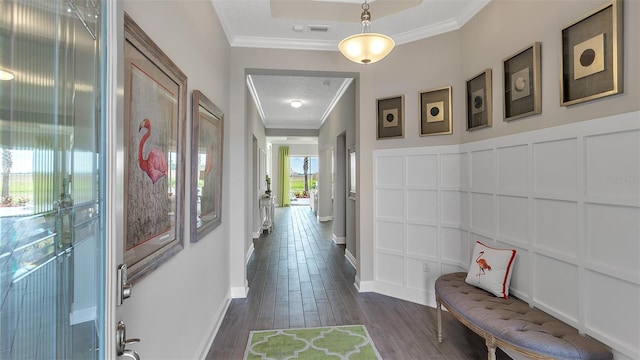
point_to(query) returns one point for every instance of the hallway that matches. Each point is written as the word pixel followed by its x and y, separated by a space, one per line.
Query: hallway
pixel 299 278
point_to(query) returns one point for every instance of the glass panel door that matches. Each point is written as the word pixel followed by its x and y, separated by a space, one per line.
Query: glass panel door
pixel 51 244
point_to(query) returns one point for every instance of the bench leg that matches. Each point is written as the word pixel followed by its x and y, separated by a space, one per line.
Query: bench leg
pixel 491 348
pixel 439 316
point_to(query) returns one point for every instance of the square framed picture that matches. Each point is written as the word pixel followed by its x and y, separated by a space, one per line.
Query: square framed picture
pixel 521 75
pixel 435 112
pixel 592 61
pixel 479 104
pixel 390 117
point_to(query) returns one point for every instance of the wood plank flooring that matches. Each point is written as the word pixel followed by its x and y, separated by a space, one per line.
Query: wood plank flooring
pixel 299 278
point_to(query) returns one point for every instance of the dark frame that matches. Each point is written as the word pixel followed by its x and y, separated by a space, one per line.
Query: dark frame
pixel 592 56
pixel 207 136
pixel 435 112
pixel 479 101
pixel 521 79
pixel 390 123
pixel 155 94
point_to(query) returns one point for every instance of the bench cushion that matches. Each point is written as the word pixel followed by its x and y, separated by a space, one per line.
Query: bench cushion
pixel 514 322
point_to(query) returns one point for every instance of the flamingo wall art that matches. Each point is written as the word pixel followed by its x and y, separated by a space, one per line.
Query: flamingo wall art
pixel 155 165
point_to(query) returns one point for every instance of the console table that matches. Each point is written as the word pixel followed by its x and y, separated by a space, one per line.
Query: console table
pixel 266 212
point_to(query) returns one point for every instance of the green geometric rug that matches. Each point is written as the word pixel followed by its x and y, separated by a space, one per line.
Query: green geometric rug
pixel 331 342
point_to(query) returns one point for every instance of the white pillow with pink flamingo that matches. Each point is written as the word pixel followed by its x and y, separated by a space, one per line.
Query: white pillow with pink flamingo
pixel 491 269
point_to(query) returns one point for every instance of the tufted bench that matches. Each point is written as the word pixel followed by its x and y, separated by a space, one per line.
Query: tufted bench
pixel 512 324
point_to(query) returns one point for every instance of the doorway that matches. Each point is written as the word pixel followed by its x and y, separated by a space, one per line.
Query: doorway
pixel 303 178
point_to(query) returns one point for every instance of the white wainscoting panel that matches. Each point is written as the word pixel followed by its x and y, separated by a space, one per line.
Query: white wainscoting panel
pixel 612 165
pixel 422 205
pixel 556 287
pixel 513 168
pixel 390 269
pixel 555 165
pixel 422 240
pixel 391 204
pixel 612 239
pixel 513 219
pixel 483 170
pixel 390 171
pixel 606 321
pixel 450 170
pixel 567 198
pixel 390 235
pixel 482 213
pixel 422 171
pixel 556 226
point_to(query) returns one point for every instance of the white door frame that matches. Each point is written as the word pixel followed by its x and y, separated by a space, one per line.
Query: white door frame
pixel 114 167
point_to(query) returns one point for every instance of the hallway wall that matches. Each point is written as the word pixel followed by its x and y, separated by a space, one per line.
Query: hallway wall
pixel 554 195
pixel 341 120
pixel 175 309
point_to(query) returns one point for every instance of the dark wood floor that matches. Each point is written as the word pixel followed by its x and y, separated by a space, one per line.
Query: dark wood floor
pixel 299 278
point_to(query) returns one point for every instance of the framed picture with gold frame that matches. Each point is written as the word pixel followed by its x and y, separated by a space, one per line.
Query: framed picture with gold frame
pixel 592 56
pixel 479 103
pixel 390 122
pixel 435 112
pixel 521 75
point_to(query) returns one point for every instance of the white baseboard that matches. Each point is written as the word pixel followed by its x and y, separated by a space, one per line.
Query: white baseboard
pixel 352 259
pixel 363 286
pixel 340 240
pixel 249 253
pixel 325 218
pixel 213 331
pixel 239 292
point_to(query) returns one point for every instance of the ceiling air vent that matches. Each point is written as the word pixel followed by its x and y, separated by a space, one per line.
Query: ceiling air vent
pixel 319 28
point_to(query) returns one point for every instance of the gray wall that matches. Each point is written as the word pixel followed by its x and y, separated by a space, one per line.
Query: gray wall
pixel 173 309
pixel 342 120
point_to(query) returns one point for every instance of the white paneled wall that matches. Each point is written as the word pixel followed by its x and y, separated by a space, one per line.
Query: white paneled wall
pixel 566 198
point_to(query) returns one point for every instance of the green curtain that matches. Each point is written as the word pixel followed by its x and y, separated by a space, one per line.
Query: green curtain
pixel 283 173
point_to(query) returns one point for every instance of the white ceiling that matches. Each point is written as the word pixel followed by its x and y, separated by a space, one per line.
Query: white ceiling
pixel 289 24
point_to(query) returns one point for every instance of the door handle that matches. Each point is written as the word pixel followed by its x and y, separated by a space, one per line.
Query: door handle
pixel 122 341
pixel 123 290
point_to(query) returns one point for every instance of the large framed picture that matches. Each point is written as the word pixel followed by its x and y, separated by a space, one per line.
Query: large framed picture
pixel 435 112
pixel 521 79
pixel 207 131
pixel 390 117
pixel 352 172
pixel 592 56
pixel 155 93
pixel 479 104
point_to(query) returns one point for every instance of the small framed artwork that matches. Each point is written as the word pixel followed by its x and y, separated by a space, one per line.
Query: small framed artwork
pixel 435 112
pixel 352 172
pixel 521 75
pixel 391 117
pixel 206 165
pixel 479 104
pixel 592 60
pixel 155 101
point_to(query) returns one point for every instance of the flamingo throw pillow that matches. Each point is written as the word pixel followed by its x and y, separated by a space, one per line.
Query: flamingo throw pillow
pixel 491 269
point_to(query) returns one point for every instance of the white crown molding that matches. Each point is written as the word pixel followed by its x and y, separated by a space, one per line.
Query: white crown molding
pixel 256 98
pixel 336 98
pixel 283 43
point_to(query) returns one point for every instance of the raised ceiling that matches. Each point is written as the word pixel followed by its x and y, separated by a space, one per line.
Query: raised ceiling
pixel 320 25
